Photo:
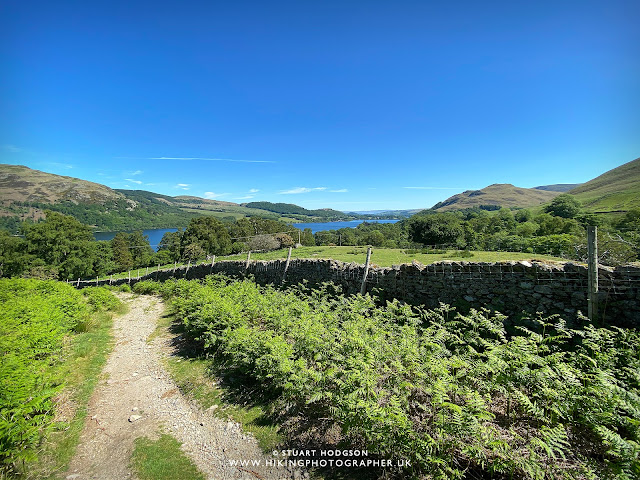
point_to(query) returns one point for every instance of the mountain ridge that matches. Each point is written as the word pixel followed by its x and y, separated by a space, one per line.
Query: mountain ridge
pixel 496 195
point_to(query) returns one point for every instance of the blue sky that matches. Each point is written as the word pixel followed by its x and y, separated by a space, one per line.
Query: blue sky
pixel 354 105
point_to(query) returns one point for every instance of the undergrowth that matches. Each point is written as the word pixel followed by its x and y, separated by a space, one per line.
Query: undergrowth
pixel 453 394
pixel 52 337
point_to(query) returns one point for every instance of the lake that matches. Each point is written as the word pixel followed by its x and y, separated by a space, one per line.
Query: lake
pixel 318 227
pixel 155 234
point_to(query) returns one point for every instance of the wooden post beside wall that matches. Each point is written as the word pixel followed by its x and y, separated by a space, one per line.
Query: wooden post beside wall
pixel 363 288
pixel 592 253
pixel 286 265
pixel 248 260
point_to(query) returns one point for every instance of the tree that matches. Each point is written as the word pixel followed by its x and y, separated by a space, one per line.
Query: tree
pixel 263 242
pixel 121 251
pixel 307 239
pixel 552 225
pixel 209 234
pixel 141 251
pixel 523 215
pixel 565 206
pixel 171 243
pixel 193 252
pixel 285 240
pixel 64 243
pixel 526 229
pixel 13 257
pixel 436 229
pixel 374 238
pixel 238 247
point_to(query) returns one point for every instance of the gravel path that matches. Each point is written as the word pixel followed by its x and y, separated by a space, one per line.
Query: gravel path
pixel 138 398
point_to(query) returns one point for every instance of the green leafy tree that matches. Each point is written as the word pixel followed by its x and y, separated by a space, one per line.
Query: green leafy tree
pixel 121 252
pixel 285 240
pixel 141 251
pixel 526 229
pixel 523 215
pixel 193 252
pixel 554 225
pixel 436 229
pixel 104 263
pixel 13 257
pixel 171 243
pixel 307 239
pixel 238 247
pixel 162 257
pixel 65 243
pixel 565 206
pixel 210 234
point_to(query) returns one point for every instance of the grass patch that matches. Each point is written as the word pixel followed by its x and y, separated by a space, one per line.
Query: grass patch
pixel 382 257
pixel 86 355
pixel 386 257
pixel 162 459
pixel 203 381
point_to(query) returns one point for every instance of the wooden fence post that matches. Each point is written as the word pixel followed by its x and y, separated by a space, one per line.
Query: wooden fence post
pixel 248 260
pixel 592 253
pixel 363 288
pixel 213 260
pixel 286 265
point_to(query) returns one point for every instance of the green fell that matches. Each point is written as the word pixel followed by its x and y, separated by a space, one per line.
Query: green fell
pixel 617 190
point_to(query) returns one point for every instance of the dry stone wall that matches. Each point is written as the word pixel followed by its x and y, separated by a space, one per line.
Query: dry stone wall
pixel 513 288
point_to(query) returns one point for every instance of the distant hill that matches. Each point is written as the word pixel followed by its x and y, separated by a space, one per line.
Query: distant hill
pixel 496 195
pixel 26 193
pixel 22 184
pixel 617 190
pixel 295 210
pixel 558 187
pixel 388 213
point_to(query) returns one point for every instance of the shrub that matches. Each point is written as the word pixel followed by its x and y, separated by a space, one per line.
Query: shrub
pixel 36 316
pixel 449 392
pixel 101 299
pixel 147 287
pixel 263 242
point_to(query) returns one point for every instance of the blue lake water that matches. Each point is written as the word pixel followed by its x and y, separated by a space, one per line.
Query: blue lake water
pixel 155 234
pixel 319 227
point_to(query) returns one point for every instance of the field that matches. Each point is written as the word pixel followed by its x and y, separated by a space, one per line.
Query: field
pixel 381 257
pixel 386 257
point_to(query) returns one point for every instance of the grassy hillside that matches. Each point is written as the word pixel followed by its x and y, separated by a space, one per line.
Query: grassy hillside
pixel 296 211
pixel 615 190
pixel 26 193
pixel 499 194
pixel 22 184
pixel 558 187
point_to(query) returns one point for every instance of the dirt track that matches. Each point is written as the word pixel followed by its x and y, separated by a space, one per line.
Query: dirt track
pixel 137 398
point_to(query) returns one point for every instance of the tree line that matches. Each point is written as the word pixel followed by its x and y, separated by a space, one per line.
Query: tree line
pixel 63 248
pixel 558 229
